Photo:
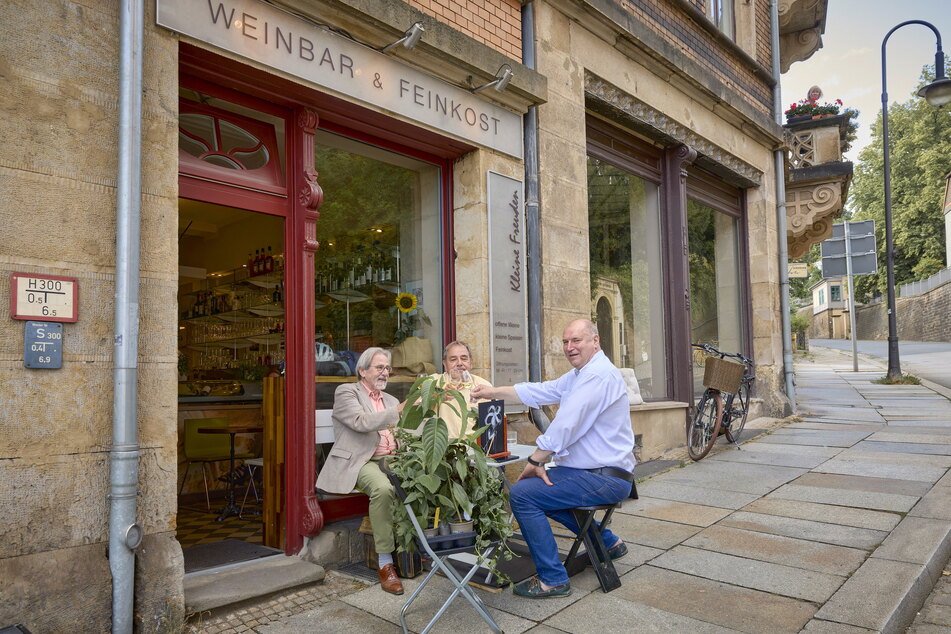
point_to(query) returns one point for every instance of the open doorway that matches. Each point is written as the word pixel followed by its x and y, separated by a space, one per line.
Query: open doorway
pixel 231 347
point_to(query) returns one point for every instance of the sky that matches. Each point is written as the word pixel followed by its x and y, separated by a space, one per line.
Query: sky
pixel 849 67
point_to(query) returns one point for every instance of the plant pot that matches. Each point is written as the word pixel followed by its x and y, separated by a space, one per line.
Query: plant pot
pixel 430 533
pixel 799 119
pixel 463 527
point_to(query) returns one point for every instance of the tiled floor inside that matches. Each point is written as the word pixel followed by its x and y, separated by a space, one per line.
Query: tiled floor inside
pixel 197 525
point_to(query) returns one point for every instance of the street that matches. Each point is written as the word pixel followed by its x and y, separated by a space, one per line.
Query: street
pixel 924 359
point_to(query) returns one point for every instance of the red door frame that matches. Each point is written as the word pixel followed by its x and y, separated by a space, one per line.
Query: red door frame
pixel 304 110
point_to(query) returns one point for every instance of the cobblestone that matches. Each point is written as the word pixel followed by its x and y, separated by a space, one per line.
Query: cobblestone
pixel 935 614
pixel 245 617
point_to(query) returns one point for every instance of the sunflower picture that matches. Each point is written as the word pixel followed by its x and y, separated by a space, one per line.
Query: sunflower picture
pixel 406 302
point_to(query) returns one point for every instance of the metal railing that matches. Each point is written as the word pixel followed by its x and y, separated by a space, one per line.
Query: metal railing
pixel 923 286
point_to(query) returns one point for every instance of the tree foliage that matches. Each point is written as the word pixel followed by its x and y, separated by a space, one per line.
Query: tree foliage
pixel 920 155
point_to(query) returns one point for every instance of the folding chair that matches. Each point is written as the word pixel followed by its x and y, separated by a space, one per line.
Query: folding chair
pixel 439 549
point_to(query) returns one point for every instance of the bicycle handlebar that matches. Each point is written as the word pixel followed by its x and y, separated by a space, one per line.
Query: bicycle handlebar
pixel 734 355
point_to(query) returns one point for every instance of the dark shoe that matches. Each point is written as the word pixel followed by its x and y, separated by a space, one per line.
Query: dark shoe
pixel 532 588
pixel 389 581
pixel 617 551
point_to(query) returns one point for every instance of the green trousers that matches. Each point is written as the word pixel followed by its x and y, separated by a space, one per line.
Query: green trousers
pixel 377 487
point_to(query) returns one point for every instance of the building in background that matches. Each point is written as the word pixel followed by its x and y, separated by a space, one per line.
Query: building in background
pixel 312 187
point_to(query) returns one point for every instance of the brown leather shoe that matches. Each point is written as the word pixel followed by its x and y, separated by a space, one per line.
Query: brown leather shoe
pixel 389 581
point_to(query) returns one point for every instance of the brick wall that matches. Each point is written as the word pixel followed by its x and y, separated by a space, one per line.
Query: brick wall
pixel 495 23
pixel 695 42
pixel 920 318
pixel 764 43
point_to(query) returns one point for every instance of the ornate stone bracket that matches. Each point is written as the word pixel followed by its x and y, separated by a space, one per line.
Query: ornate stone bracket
pixel 810 211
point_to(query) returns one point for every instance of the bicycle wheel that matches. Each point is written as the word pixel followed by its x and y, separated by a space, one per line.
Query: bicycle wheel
pixel 705 426
pixel 740 409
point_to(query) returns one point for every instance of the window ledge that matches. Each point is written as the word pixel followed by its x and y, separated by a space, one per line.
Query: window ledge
pixel 652 405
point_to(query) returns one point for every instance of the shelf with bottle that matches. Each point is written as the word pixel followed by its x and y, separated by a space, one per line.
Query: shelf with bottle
pixel 238 300
pixel 264 262
pixel 200 335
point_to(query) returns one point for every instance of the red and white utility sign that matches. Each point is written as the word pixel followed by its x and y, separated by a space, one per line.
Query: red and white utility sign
pixel 44 297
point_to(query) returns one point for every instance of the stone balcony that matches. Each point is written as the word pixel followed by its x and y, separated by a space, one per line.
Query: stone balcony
pixel 817 180
pixel 801 25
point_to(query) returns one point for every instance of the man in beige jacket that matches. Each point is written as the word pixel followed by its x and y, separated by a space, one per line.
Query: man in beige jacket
pixel 363 418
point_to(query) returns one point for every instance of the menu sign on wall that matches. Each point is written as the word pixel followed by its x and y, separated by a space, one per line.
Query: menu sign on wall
pixel 264 33
pixel 507 283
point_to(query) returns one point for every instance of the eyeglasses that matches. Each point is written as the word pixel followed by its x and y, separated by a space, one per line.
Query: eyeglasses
pixel 382 368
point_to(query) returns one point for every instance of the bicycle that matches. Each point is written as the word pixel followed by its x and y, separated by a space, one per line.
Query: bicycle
pixel 725 402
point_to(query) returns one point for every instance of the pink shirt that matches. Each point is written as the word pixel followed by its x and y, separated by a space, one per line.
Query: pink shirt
pixel 387 444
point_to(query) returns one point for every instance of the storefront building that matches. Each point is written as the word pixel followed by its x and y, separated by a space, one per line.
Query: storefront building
pixel 312 186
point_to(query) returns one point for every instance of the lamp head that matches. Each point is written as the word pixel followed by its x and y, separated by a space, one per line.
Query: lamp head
pixel 413 35
pixel 938 92
pixel 504 79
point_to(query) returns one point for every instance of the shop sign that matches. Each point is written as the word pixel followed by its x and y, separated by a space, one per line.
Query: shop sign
pixel 264 33
pixel 798 269
pixel 46 297
pixel 507 283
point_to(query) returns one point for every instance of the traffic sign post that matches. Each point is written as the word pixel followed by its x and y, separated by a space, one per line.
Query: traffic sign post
pixel 850 252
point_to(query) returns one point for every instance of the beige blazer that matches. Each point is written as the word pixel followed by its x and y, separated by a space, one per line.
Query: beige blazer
pixel 355 436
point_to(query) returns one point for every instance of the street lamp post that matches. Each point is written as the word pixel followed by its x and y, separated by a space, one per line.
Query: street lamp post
pixel 937 93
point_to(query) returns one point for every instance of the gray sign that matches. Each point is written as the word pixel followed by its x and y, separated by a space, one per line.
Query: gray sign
pixel 264 33
pixel 861 245
pixel 42 345
pixel 507 283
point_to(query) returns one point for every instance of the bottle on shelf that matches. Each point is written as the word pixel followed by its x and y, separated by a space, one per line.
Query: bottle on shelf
pixel 269 261
pixel 250 264
pixel 255 263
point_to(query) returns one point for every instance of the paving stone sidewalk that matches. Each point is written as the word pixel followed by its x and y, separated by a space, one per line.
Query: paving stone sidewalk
pixel 837 522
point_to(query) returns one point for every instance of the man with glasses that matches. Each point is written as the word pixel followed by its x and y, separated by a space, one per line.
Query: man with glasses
pixel 363 418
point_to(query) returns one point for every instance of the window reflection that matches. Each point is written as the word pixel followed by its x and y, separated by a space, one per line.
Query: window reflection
pixel 715 314
pixel 626 274
pixel 378 272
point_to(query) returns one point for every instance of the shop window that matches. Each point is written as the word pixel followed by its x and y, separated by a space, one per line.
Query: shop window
pixel 835 293
pixel 627 282
pixel 721 13
pixel 716 315
pixel 378 271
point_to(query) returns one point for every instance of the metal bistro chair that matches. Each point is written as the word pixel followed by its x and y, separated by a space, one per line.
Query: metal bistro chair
pixel 439 549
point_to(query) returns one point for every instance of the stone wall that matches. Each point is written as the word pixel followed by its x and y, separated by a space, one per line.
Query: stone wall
pixel 58 175
pixel 919 318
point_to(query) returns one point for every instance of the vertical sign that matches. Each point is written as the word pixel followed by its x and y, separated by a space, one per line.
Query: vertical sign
pixel 507 283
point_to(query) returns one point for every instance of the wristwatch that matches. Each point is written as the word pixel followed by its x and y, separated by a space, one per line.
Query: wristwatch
pixel 535 462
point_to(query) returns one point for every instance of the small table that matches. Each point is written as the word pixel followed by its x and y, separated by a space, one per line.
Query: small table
pixel 230 508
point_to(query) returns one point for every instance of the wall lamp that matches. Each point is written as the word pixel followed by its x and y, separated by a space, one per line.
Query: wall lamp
pixel 502 78
pixel 410 38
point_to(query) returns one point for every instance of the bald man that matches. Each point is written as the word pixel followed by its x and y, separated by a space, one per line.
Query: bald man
pixel 591 445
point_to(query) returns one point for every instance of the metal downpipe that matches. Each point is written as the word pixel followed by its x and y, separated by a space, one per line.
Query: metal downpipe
pixel 533 264
pixel 124 533
pixel 779 169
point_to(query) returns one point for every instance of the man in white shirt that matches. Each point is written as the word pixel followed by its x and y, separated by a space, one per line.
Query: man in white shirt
pixel 591 444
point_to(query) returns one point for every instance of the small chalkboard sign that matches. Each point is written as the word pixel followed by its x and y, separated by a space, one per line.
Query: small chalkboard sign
pixel 42 345
pixel 493 440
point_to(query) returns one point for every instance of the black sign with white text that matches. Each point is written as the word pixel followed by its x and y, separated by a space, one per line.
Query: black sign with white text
pixel 42 345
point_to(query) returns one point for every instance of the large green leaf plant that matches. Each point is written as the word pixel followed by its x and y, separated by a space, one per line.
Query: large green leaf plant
pixel 449 474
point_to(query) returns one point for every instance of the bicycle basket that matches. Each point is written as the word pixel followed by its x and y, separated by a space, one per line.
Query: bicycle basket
pixel 722 375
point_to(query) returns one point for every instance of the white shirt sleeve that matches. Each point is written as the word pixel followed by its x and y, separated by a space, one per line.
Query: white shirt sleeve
pixel 578 412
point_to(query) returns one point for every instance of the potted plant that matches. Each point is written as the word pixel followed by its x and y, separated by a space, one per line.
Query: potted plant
pixel 446 478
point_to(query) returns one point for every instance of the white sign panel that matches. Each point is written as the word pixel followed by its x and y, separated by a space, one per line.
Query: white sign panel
pixel 261 32
pixel 798 269
pixel 45 297
pixel 507 283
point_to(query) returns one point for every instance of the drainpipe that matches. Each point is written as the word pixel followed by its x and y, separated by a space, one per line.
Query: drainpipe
pixel 533 262
pixel 124 533
pixel 779 170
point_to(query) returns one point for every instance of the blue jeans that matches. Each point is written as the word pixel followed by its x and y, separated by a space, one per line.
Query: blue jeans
pixel 533 502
